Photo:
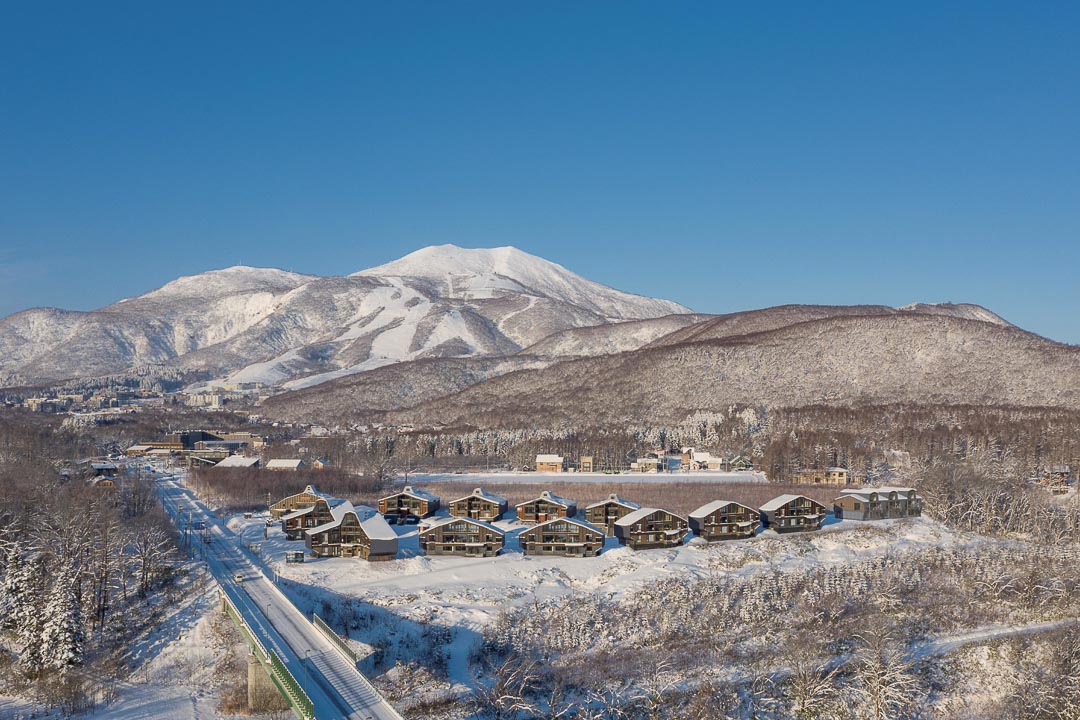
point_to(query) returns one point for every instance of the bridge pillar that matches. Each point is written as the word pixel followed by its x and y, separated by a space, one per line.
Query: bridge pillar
pixel 263 695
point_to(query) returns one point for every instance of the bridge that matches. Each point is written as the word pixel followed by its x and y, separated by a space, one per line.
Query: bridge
pixel 308 662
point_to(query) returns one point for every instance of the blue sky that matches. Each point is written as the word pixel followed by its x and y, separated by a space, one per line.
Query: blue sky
pixel 724 157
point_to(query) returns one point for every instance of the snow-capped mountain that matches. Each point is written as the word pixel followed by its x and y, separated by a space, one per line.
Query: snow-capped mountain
pixel 246 324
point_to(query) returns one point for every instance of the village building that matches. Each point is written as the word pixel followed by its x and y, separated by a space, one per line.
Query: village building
pixel 656 462
pixel 237 461
pixel 882 503
pixel 353 532
pixel 545 507
pixel 829 476
pixel 693 459
pixel 288 464
pixel 603 514
pixel 461 536
pixel 649 528
pixel 409 501
pixel 562 536
pixel 793 513
pixel 739 463
pixel 550 463
pixel 586 464
pixel 1057 476
pixel 479 505
pixel 724 520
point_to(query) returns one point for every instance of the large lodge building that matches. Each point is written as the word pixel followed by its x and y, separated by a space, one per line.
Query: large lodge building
pixel 353 532
pixel 562 536
pixel 650 528
pixel 603 514
pixel 479 505
pixel 724 520
pixel 409 501
pixel 545 507
pixel 462 536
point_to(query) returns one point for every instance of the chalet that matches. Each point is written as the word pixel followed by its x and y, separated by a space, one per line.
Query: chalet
pixel 238 461
pixel 461 536
pixel 137 450
pixel 544 508
pixel 724 520
pixel 288 464
pixel 305 498
pixel 562 536
pixel 353 532
pixel 409 501
pixel 479 505
pixel 829 476
pixel 740 463
pixel 603 514
pixel 649 528
pixel 882 503
pixel 321 511
pixel 793 513
pixel 586 464
pixel 550 463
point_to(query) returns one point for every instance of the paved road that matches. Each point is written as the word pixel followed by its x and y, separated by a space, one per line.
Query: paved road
pixel 335 686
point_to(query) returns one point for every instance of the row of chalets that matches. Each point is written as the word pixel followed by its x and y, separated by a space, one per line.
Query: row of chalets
pixel 334 527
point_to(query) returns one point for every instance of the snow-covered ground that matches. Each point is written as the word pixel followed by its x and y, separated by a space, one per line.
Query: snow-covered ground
pixel 542 478
pixel 465 595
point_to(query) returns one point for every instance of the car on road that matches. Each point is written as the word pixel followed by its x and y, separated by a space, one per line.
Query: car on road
pixel 238 578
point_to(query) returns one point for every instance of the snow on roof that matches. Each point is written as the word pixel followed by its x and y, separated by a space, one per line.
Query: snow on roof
pixel 298 513
pixel 778 502
pixel 284 463
pixel 631 518
pixel 375 525
pixel 864 494
pixel 103 466
pixel 572 521
pixel 138 448
pixel 479 523
pixel 238 461
pixel 836 469
pixel 549 458
pixel 613 498
pixel 159 451
pixel 709 508
pixel 337 513
pixel 413 492
pixel 550 497
pixel 483 494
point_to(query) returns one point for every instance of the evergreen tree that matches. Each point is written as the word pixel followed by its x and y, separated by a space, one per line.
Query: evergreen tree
pixel 11 590
pixel 62 630
pixel 26 616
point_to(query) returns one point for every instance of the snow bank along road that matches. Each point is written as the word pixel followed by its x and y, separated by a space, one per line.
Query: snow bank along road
pixel 336 688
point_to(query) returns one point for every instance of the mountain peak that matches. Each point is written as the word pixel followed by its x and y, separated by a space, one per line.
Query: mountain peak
pixel 964 311
pixel 477 273
pixel 233 279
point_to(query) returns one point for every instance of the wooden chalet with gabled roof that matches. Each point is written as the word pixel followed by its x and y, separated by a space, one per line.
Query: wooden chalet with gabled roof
pixel 563 536
pixel 550 463
pixel 724 520
pixel 650 528
pixel 353 532
pixel 793 513
pixel 544 508
pixel 305 498
pixel 603 514
pixel 321 511
pixel 461 536
pixel 409 501
pixel 883 503
pixel 479 505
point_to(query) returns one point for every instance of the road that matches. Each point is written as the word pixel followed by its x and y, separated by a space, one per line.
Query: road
pixel 336 688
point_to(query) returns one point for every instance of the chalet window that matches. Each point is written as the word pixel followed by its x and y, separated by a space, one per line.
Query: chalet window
pixel 858 506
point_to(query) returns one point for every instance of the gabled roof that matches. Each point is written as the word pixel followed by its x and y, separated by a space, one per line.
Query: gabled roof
pixel 549 458
pixel 547 495
pixel 479 523
pixel 613 498
pixel 778 502
pixel 284 463
pixel 483 495
pixel 413 492
pixel 573 521
pixel 331 503
pixel 238 461
pixel 709 508
pixel 373 523
pixel 631 518
pixel 836 469
pixel 865 493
